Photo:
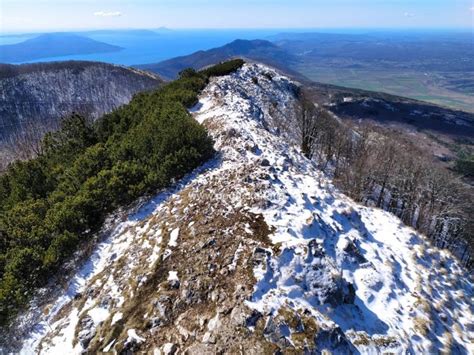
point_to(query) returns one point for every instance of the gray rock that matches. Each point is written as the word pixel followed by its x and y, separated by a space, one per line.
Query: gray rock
pixel 264 162
pixel 277 333
pixel 154 322
pixel 163 306
pixel 325 284
pixel 209 338
pixel 169 349
pixel 238 316
pixel 254 149
pixel 105 301
pixel 271 330
pixel 259 256
pixel 353 253
pixel 232 132
pixel 174 284
pixel 315 249
pixel 87 332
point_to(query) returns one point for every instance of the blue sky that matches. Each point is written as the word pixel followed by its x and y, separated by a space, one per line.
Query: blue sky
pixel 23 15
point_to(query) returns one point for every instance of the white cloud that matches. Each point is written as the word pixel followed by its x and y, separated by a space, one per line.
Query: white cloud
pixel 472 9
pixel 409 14
pixel 108 13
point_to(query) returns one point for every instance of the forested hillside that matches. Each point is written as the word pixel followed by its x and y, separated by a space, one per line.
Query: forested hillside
pixel 380 167
pixel 52 206
pixel 35 97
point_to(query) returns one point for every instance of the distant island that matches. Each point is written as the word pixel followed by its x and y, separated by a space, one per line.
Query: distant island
pixel 53 45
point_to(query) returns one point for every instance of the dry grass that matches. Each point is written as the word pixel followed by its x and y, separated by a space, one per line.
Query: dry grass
pixel 389 264
pixel 362 339
pixel 305 339
pixel 447 343
pixel 457 329
pixel 196 264
pixel 422 326
pixel 421 250
pixel 289 317
pixel 384 341
pixel 63 311
pixel 422 304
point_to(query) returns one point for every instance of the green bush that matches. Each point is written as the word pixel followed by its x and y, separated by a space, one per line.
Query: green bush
pixel 224 68
pixel 50 206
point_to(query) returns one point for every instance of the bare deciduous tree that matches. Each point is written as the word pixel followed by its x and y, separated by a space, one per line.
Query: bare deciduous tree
pixel 371 163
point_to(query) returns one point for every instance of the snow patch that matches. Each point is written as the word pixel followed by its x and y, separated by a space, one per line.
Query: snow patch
pixel 174 238
pixel 98 314
pixel 117 316
pixel 132 336
pixel 173 276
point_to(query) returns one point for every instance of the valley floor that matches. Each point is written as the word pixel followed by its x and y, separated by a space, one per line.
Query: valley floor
pixel 434 87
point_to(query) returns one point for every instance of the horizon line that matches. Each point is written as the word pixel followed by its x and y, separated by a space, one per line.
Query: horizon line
pixel 165 28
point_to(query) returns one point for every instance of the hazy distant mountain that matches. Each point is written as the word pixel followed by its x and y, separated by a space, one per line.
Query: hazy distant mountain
pixel 258 50
pixel 131 32
pixel 163 29
pixel 52 45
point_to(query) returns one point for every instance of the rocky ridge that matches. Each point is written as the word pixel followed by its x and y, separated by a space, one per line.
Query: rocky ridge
pixel 257 252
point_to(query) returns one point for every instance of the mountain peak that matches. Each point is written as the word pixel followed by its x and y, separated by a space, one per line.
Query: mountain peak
pixel 256 43
pixel 255 50
pixel 56 36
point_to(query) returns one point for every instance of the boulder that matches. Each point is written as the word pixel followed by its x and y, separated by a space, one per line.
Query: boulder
pixel 169 349
pixel 325 283
pixel 264 162
pixel 352 253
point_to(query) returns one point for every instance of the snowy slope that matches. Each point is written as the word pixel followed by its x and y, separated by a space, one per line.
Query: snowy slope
pixel 256 252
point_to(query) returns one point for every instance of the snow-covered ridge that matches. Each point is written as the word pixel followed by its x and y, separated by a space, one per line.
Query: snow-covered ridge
pixel 258 251
pixel 402 285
